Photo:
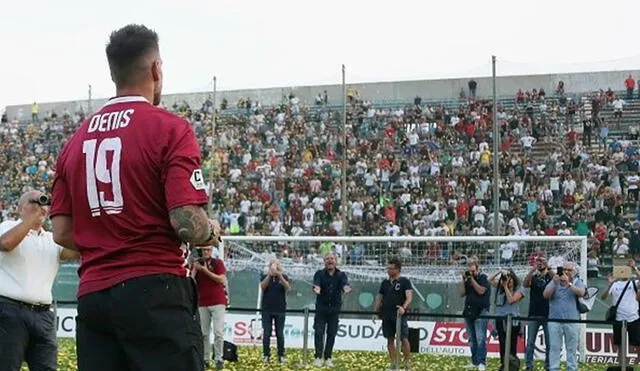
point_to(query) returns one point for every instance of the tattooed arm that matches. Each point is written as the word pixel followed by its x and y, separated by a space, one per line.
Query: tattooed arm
pixel 191 224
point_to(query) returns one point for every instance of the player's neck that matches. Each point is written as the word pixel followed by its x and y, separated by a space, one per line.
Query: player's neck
pixel 135 91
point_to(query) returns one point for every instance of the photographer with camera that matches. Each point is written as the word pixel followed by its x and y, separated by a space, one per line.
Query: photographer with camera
pixel 624 295
pixel 476 289
pixel 536 280
pixel 275 286
pixel 507 301
pixel 29 262
pixel 563 292
pixel 209 273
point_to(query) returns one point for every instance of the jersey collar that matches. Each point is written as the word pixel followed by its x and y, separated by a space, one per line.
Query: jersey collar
pixel 126 99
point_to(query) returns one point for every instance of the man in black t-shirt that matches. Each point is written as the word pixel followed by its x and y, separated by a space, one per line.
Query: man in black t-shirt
pixel 394 298
pixel 536 280
pixel 476 289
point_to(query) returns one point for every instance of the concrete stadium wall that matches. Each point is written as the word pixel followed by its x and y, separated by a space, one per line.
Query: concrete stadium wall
pixel 397 91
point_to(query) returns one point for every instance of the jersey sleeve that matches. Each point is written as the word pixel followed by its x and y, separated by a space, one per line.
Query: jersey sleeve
pixel 60 192
pixel 184 183
pixel 381 290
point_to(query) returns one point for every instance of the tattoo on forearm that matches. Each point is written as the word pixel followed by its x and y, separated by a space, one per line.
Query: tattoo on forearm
pixel 190 224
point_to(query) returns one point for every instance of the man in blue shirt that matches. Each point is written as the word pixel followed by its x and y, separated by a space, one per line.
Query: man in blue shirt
pixel 563 292
pixel 328 285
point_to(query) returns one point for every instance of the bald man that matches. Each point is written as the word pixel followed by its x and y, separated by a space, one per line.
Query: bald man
pixel 29 261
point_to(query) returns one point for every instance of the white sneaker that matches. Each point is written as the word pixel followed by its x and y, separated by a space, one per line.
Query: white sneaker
pixel 318 362
pixel 328 362
pixel 481 367
pixel 265 360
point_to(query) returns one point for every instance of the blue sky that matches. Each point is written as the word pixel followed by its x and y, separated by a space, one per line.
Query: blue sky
pixel 54 49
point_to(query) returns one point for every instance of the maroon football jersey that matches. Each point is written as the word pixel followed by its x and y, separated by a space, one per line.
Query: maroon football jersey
pixel 118 177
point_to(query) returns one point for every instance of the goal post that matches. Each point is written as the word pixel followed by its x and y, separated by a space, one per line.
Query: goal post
pixel 421 256
pixel 434 264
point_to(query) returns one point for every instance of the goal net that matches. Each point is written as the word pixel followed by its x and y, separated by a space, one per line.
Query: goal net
pixel 424 259
pixel 433 264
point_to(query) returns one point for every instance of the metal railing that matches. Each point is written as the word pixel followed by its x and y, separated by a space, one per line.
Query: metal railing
pixel 623 349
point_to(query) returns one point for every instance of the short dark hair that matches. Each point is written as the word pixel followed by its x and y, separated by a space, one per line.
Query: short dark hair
pixel 126 46
pixel 395 261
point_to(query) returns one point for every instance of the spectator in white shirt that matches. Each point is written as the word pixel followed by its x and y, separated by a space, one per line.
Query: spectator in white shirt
pixel 624 293
pixel 569 186
pixel 621 244
pixel 29 261
pixel 479 212
pixel 527 143
pixel 617 107
pixel 564 231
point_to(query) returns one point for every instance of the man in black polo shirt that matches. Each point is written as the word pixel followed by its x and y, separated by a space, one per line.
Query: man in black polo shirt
pixel 536 280
pixel 394 298
pixel 275 286
pixel 328 285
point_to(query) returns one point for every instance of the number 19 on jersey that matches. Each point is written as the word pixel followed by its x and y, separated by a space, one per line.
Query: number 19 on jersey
pixel 99 171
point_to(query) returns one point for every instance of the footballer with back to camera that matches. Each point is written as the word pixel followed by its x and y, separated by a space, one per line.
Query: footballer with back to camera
pixel 128 192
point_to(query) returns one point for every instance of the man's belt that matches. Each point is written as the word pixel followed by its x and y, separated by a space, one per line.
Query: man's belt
pixel 27 306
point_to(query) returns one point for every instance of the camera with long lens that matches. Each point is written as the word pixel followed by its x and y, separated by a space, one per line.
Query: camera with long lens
pixel 43 200
pixel 467 274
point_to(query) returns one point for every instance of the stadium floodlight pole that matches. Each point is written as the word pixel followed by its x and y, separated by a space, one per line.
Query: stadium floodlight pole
pixel 343 193
pixel 212 151
pixel 89 102
pixel 496 155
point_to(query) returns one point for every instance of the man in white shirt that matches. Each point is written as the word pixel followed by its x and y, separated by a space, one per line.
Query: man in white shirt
pixel 617 107
pixel 627 308
pixel 29 261
pixel 527 143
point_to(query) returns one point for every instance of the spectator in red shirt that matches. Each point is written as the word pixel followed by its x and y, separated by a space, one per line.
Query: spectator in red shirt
pixel 128 192
pixel 630 84
pixel 210 277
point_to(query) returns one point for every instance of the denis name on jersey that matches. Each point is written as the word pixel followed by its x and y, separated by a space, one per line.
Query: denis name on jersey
pixel 110 121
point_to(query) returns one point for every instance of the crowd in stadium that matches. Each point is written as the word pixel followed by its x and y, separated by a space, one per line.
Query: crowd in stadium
pixel 413 169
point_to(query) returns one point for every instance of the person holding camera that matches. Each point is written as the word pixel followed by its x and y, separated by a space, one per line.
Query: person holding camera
pixel 507 302
pixel 563 292
pixel 394 297
pixel 275 286
pixel 328 284
pixel 624 294
pixel 536 281
pixel 209 273
pixel 476 290
pixel 29 262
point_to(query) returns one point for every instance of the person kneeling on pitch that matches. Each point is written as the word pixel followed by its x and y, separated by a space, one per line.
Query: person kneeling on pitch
pixel 394 298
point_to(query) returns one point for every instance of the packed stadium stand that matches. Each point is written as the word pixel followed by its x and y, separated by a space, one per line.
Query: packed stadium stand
pixel 569 165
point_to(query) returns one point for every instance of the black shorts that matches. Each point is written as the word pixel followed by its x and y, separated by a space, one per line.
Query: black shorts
pixel 146 323
pixel 389 327
pixel 633 329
